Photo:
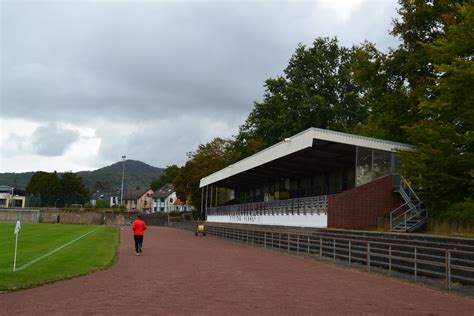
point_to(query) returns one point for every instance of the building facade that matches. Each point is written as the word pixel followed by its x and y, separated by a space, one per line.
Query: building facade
pixel 166 200
pixel 11 197
pixel 138 200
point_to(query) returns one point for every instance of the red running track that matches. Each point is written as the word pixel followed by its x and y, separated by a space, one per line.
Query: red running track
pixel 182 274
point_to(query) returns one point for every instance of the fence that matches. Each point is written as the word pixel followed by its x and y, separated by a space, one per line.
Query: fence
pixel 449 264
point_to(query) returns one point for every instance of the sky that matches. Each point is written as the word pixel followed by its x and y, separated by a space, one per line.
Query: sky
pixel 83 83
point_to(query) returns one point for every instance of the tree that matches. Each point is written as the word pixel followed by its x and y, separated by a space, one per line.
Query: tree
pixel 46 186
pixel 73 189
pixel 394 84
pixel 103 186
pixel 384 92
pixel 444 159
pixel 98 204
pixel 168 176
pixel 208 158
pixel 317 90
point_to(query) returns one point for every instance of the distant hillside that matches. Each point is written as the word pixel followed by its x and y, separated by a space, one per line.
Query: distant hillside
pixel 137 173
pixel 16 180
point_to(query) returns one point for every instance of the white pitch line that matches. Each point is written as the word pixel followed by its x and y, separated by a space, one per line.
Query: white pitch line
pixel 23 267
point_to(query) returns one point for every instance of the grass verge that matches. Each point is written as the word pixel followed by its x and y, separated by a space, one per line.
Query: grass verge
pixel 48 252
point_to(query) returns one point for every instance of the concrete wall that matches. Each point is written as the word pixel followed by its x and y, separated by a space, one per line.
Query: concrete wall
pixel 97 217
pixel 360 207
pixel 155 219
pixel 68 216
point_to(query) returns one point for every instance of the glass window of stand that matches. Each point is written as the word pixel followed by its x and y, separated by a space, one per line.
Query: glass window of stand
pixel 372 164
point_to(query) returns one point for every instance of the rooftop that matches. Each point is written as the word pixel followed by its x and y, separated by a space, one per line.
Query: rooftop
pixel 301 144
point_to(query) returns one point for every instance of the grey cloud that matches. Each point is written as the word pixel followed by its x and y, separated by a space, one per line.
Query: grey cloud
pixel 152 64
pixel 108 59
pixel 14 145
pixel 160 142
pixel 53 140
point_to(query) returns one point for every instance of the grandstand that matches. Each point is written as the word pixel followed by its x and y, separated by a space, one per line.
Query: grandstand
pixel 317 178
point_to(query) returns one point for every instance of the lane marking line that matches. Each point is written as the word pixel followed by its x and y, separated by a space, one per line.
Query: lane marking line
pixel 23 267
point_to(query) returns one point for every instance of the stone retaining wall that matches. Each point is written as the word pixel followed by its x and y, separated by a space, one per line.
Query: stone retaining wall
pixel 75 216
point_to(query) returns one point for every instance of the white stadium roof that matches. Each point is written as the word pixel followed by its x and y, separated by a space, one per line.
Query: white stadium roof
pixel 299 142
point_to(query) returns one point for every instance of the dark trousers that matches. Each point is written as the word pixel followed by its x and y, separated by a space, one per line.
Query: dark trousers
pixel 138 242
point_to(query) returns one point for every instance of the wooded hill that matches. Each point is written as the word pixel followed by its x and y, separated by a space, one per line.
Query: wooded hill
pixel 108 178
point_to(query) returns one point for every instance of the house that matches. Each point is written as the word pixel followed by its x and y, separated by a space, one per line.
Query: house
pixel 138 200
pixel 110 198
pixel 179 206
pixel 12 197
pixel 114 199
pixel 163 198
pixel 166 200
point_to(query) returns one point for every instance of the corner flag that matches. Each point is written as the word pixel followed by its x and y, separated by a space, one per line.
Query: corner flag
pixel 17 230
pixel 17 227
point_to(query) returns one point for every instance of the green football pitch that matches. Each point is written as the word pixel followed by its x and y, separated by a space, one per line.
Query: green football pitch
pixel 49 252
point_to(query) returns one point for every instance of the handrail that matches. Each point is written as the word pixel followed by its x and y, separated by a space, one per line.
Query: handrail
pixel 398 208
pixel 408 186
pixel 404 184
pixel 394 220
pixel 412 201
pixel 305 204
pixel 416 207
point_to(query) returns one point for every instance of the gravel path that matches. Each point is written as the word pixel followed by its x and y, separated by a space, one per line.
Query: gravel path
pixel 182 274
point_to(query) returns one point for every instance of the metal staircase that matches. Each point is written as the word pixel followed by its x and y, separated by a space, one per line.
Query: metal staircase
pixel 411 215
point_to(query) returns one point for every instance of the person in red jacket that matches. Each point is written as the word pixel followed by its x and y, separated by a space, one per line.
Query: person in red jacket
pixel 139 228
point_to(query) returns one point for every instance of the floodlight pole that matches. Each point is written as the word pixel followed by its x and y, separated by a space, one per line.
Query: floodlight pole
pixel 123 173
pixel 11 199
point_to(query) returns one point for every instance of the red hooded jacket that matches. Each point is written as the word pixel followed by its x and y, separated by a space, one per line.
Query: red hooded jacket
pixel 139 227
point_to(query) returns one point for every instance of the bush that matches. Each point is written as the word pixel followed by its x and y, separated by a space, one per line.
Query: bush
pixel 461 211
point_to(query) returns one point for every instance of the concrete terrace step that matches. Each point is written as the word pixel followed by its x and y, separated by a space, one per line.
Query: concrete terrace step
pixel 415 239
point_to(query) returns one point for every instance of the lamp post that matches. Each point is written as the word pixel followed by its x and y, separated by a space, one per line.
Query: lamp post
pixel 123 173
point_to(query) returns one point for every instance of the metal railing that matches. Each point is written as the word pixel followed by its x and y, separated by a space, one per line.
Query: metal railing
pixel 400 184
pixel 451 265
pixel 412 210
pixel 405 213
pixel 306 205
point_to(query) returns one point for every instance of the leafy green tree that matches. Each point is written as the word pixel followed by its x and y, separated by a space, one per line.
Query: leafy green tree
pixel 103 186
pixel 73 189
pixel 98 204
pixel 46 187
pixel 384 92
pixel 207 159
pixel 444 159
pixel 316 90
pixel 168 176
pixel 394 84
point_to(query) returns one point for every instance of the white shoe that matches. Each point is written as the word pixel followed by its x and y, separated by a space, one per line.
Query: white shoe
pixel 138 254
